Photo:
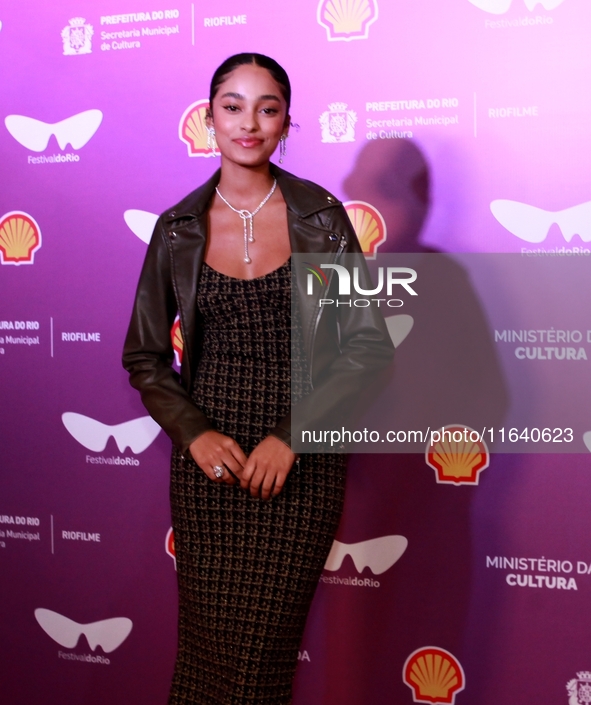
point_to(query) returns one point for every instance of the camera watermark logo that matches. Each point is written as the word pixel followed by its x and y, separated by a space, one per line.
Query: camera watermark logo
pixel 350 285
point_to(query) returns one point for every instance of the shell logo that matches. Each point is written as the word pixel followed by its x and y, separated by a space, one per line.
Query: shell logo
pixel 458 455
pixel 368 224
pixel 176 336
pixel 193 130
pixel 345 20
pixel 169 545
pixel 20 238
pixel 434 675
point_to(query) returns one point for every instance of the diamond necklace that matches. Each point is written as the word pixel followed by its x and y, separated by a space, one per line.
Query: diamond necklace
pixel 247 215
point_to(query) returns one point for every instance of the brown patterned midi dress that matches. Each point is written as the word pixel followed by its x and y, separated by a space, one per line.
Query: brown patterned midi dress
pixel 248 569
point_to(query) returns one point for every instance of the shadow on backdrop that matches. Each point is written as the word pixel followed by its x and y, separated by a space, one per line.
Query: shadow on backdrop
pixel 446 371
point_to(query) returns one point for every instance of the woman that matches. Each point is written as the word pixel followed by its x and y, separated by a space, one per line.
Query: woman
pixel 247 568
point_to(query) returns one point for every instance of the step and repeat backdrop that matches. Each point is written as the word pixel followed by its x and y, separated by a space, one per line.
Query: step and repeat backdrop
pixel 458 131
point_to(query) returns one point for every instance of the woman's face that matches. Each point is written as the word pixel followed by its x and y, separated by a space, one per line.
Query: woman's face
pixel 249 116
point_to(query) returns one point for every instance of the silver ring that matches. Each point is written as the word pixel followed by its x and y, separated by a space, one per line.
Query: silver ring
pixel 218 471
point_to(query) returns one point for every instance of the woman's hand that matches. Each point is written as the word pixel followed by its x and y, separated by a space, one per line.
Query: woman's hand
pixel 267 468
pixel 212 449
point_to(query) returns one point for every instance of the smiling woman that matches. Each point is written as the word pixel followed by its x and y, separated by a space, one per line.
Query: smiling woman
pixel 247 568
pixel 249 112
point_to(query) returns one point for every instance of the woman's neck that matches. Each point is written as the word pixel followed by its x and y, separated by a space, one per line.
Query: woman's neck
pixel 245 187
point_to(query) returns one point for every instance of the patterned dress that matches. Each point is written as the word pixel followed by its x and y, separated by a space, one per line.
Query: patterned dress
pixel 248 569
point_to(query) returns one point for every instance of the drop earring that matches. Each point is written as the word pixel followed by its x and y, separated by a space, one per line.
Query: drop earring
pixel 282 148
pixel 211 139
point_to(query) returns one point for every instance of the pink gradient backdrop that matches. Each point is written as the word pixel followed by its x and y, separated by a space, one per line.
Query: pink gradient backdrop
pixel 515 644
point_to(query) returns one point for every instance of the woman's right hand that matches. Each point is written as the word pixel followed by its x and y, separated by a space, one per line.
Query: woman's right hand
pixel 212 448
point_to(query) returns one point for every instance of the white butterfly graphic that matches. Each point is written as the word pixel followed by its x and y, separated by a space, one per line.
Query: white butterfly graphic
pixel 109 634
pixel 532 224
pixel 379 554
pixel 399 327
pixel 136 434
pixel 499 7
pixel 141 223
pixel 34 134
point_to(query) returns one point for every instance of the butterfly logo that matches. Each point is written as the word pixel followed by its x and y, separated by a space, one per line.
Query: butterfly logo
pixel 141 223
pixel 379 554
pixel 499 7
pixel 35 134
pixel 137 434
pixel 532 224
pixel 109 634
pixel 399 327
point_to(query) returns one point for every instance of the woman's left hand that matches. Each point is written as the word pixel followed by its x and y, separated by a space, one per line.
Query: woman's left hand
pixel 267 468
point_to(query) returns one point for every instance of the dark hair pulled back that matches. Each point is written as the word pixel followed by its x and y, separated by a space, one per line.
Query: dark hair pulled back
pixel 265 62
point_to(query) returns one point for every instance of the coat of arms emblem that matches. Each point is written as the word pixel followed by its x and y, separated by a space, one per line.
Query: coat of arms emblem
pixel 579 689
pixel 77 37
pixel 338 123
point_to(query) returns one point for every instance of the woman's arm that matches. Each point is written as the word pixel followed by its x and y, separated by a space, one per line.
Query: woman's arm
pixel 148 351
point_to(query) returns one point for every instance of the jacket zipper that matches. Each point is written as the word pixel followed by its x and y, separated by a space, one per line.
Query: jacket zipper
pixel 341 247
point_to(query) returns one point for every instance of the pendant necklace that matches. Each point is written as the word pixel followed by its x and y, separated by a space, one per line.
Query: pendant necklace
pixel 248 216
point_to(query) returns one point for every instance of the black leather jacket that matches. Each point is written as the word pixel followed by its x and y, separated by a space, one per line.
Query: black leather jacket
pixel 345 346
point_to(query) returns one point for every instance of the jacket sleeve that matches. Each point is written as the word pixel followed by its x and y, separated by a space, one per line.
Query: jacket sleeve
pixel 366 350
pixel 148 353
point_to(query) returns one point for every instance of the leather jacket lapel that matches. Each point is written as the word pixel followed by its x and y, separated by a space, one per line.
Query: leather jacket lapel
pixel 186 227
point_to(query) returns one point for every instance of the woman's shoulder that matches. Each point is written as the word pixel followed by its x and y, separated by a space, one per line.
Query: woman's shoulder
pixel 316 206
pixel 195 203
pixel 302 195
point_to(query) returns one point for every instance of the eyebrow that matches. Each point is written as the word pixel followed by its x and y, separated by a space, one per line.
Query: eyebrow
pixel 238 96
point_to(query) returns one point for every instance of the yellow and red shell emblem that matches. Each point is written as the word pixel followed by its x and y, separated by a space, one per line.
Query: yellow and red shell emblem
pixel 169 545
pixel 345 20
pixel 20 238
pixel 177 340
pixel 193 130
pixel 368 224
pixel 457 454
pixel 434 675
